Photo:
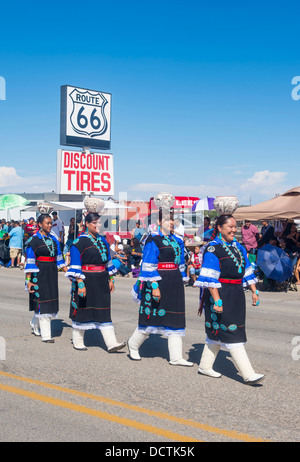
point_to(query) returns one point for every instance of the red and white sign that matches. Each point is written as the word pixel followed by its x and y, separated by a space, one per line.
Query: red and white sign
pixel 87 172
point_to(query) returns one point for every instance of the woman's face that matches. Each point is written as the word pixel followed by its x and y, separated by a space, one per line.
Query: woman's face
pixel 93 227
pixel 228 230
pixel 167 225
pixel 46 225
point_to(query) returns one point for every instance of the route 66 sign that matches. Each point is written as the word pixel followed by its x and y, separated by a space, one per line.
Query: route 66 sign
pixel 85 118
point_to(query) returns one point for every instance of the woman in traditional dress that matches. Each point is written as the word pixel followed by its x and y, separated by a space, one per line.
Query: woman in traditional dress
pixel 91 272
pixel 225 272
pixel 160 287
pixel 44 258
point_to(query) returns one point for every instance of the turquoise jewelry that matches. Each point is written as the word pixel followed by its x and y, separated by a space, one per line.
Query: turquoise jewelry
pixel 238 263
pixel 167 240
pixel 50 245
pixel 154 285
pixel 100 246
pixel 218 302
pixel 81 285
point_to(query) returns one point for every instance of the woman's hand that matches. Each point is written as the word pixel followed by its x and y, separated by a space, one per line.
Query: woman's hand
pixel 255 299
pixel 111 285
pixel 156 295
pixel 216 296
pixel 82 292
pixel 29 287
pixel 217 308
pixel 255 295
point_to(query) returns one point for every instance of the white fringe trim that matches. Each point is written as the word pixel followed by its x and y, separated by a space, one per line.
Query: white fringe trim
pixel 155 278
pixel 249 282
pixel 92 325
pixel 73 275
pixel 215 285
pixel 228 346
pixel 162 331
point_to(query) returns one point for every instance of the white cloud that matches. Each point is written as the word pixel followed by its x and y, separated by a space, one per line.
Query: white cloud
pixel 265 182
pixel 8 177
pixel 10 181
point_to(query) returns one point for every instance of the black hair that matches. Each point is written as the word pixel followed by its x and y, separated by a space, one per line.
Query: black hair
pixel 135 241
pixel 222 219
pixel 42 217
pixel 91 216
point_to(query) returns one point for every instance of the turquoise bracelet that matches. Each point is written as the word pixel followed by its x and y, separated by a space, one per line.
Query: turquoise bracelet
pixel 81 285
pixel 218 302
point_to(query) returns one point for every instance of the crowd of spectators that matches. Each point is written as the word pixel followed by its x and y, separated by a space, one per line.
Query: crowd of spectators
pixel 13 237
pixel 127 253
pixel 284 234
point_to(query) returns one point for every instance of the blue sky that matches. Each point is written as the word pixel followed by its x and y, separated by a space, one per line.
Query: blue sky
pixel 201 93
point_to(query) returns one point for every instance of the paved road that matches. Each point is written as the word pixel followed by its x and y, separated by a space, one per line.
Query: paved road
pixel 50 392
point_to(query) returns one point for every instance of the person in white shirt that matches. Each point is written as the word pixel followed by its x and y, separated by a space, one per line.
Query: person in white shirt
pixel 178 229
pixel 58 228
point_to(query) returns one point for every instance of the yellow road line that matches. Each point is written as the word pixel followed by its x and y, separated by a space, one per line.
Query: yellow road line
pixel 207 428
pixel 99 414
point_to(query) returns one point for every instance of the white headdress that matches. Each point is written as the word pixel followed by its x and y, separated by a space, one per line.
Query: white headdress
pixel 164 200
pixel 94 204
pixel 44 208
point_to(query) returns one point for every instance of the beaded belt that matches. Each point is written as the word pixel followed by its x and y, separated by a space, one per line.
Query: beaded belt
pixel 46 258
pixel 167 266
pixel 231 281
pixel 94 268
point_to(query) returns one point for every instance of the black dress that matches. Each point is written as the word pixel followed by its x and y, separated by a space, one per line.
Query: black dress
pixel 43 259
pixel 227 268
pixel 163 258
pixel 90 261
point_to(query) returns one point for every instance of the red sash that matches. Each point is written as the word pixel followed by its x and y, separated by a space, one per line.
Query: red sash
pixel 93 268
pixel 231 281
pixel 46 258
pixel 167 266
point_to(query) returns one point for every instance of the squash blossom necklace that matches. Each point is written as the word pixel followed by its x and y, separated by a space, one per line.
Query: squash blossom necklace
pixel 238 263
pixel 101 248
pixel 49 244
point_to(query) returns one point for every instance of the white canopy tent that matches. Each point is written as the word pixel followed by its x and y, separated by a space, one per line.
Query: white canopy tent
pixel 69 209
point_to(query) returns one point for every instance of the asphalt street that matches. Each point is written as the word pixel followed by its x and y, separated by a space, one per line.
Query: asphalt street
pixel 51 392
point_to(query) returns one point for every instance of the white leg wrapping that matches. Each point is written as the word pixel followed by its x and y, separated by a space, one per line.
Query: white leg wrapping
pixel 208 357
pixel 45 326
pixel 175 351
pixel 134 344
pixel 243 365
pixel 78 339
pixel 35 325
pixel 110 340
